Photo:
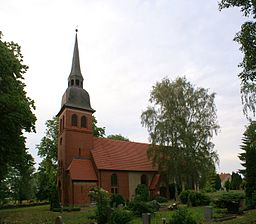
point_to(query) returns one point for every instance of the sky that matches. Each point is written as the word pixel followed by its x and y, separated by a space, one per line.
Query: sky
pixel 125 48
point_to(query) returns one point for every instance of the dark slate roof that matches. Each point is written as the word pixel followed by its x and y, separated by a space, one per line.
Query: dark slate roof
pixel 75 96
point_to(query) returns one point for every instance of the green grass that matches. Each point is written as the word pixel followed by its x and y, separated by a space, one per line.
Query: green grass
pixel 42 215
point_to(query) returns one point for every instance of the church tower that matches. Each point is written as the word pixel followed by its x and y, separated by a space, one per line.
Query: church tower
pixel 75 138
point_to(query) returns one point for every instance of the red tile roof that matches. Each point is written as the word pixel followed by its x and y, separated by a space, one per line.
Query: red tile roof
pixel 111 154
pixel 82 169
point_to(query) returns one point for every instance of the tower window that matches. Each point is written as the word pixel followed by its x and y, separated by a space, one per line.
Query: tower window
pixel 60 125
pixel 72 82
pixel 77 82
pixel 83 122
pixel 74 120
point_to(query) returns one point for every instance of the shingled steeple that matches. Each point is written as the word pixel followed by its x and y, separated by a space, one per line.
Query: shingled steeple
pixel 75 73
pixel 75 96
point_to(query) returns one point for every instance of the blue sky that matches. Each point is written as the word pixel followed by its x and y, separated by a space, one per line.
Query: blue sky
pixel 125 48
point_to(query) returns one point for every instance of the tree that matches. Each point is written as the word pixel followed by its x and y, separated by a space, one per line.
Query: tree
pixel 246 37
pixel 217 182
pixel 236 181
pixel 118 137
pixel 15 106
pixel 181 123
pixel 97 131
pixel 248 158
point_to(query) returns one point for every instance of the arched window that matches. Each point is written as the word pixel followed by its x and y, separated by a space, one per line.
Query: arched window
pixel 114 189
pixel 72 82
pixel 60 126
pixel 63 119
pixel 77 82
pixel 144 179
pixel 83 122
pixel 74 120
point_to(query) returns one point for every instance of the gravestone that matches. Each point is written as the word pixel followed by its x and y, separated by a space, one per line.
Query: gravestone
pixel 59 220
pixel 208 213
pixel 146 218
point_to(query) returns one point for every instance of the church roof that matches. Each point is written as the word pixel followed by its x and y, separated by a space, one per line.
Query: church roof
pixel 111 154
pixel 82 169
pixel 76 96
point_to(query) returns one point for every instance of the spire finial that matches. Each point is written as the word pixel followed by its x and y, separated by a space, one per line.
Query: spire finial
pixel 76 28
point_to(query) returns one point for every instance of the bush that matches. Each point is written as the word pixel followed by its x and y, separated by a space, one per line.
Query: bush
pixel 161 199
pixel 196 198
pixel 142 192
pixel 182 216
pixel 119 216
pixel 230 200
pixel 102 199
pixel 116 199
pixel 139 207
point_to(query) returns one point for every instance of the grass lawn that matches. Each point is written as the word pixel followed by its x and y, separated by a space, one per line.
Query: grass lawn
pixel 42 215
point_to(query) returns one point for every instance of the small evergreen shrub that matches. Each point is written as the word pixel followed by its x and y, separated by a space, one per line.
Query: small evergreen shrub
pixel 142 193
pixel 230 200
pixel 120 216
pixel 116 199
pixel 195 198
pixel 139 207
pixel 161 199
pixel 182 216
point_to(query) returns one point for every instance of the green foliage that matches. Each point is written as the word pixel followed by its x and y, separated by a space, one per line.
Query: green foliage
pixel 116 199
pixel 97 131
pixel 161 199
pixel 227 185
pixel 248 158
pixel 54 198
pixel 16 109
pixel 246 37
pixel 230 200
pixel 142 192
pixel 195 198
pixel 181 123
pixel 103 209
pixel 236 181
pixel 119 216
pixel 139 207
pixel 182 216
pixel 118 137
pixel 47 171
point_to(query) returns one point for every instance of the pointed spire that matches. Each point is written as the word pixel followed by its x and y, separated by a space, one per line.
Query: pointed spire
pixel 75 78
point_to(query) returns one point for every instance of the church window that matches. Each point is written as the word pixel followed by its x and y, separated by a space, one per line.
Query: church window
pixel 77 82
pixel 63 122
pixel 74 120
pixel 60 141
pixel 114 187
pixel 144 179
pixel 83 122
pixel 60 125
pixel 72 82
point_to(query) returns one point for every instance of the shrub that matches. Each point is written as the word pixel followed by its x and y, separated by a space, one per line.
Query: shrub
pixel 139 207
pixel 196 198
pixel 182 216
pixel 116 199
pixel 102 199
pixel 230 200
pixel 161 199
pixel 119 216
pixel 142 192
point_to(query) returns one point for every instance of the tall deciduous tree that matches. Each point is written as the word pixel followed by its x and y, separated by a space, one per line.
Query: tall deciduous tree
pixel 248 158
pixel 118 137
pixel 181 123
pixel 246 37
pixel 16 108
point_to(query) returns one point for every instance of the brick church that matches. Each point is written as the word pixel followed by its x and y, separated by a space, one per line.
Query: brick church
pixel 85 161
